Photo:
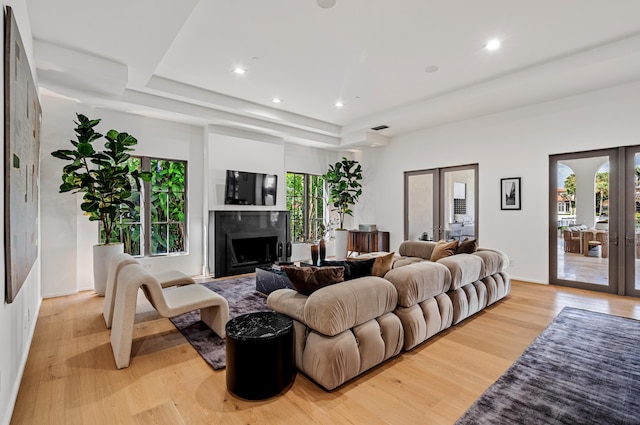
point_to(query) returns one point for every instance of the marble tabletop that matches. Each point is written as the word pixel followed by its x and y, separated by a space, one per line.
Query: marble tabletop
pixel 258 325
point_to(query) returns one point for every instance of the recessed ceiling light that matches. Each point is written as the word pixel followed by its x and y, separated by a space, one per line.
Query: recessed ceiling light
pixel 239 70
pixel 492 44
pixel 431 69
pixel 339 104
pixel 326 4
pixel 276 100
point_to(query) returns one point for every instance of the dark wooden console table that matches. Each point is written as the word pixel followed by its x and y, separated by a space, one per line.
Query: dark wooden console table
pixel 363 242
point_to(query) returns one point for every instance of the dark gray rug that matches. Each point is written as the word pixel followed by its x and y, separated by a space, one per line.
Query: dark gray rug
pixel 584 368
pixel 242 297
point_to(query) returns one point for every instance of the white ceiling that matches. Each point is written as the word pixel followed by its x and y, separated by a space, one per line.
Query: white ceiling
pixel 175 59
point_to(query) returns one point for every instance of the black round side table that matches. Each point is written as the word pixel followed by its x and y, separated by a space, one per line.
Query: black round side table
pixel 260 361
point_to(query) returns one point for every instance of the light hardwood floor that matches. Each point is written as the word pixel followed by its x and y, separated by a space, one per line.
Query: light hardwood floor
pixel 70 377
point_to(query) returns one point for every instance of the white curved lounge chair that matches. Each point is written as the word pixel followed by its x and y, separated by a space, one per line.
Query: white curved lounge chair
pixel 214 309
pixel 166 279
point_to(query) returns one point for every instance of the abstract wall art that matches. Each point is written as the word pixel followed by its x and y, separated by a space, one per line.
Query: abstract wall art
pixel 22 116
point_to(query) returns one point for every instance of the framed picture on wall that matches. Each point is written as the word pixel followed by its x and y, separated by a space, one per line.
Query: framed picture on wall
pixel 510 195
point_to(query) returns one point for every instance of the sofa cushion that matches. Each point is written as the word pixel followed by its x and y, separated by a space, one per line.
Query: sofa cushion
pixel 467 246
pixel 383 262
pixel 422 249
pixel 336 308
pixel 419 281
pixel 444 249
pixel 405 261
pixel 464 268
pixel 492 261
pixel 307 280
pixel 352 269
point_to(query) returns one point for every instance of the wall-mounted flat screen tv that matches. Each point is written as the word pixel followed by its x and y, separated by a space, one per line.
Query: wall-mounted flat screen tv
pixel 244 188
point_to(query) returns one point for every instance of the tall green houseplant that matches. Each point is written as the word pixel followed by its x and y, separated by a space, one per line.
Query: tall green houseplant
pixel 104 176
pixel 343 181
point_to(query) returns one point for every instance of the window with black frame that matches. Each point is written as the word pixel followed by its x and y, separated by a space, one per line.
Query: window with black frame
pixel 157 223
pixel 306 202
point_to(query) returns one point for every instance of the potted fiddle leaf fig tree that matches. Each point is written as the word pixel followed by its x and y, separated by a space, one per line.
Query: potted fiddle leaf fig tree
pixel 343 181
pixel 106 178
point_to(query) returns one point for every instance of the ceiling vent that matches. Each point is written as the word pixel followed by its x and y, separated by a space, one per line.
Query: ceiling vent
pixel 380 127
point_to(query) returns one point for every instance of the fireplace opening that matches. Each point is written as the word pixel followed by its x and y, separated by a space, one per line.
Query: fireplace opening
pixel 244 240
pixel 253 251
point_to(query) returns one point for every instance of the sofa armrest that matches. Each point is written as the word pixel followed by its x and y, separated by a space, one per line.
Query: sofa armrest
pixel 464 268
pixel 418 282
pixel 495 261
pixel 288 302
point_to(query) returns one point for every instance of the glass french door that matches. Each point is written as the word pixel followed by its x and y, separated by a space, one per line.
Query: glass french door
pixel 421 218
pixel 631 216
pixel 440 203
pixel 593 220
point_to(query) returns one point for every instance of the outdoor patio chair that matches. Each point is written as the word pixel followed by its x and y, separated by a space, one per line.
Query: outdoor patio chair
pixel 571 241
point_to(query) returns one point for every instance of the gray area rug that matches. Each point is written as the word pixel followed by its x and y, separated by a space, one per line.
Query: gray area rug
pixel 242 297
pixel 584 368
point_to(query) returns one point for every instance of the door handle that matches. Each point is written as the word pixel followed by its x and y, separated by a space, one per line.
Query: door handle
pixel 629 240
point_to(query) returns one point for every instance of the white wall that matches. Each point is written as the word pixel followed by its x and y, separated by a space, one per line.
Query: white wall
pixel 67 235
pixel 516 143
pixel 243 151
pixel 17 320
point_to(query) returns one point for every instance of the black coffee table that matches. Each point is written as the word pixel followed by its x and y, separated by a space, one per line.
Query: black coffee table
pixel 268 280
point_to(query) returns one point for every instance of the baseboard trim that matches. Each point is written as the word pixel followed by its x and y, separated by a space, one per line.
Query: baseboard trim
pixel 60 294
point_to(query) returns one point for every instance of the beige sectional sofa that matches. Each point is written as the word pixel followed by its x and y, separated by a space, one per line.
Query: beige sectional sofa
pixel 342 330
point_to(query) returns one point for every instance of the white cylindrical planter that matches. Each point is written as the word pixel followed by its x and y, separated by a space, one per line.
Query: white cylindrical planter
pixel 341 243
pixel 102 255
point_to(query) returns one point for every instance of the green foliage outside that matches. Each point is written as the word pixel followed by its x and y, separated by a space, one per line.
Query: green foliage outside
pixel 295 205
pixel 167 206
pixel 305 200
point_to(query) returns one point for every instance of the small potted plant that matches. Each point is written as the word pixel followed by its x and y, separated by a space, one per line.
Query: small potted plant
pixel 106 178
pixel 343 180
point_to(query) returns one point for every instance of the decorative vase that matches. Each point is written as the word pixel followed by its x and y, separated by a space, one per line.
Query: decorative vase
pixel 323 250
pixel 314 255
pixel 102 255
pixel 341 245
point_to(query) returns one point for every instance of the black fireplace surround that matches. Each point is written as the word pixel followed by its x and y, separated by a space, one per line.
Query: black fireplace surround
pixel 244 240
